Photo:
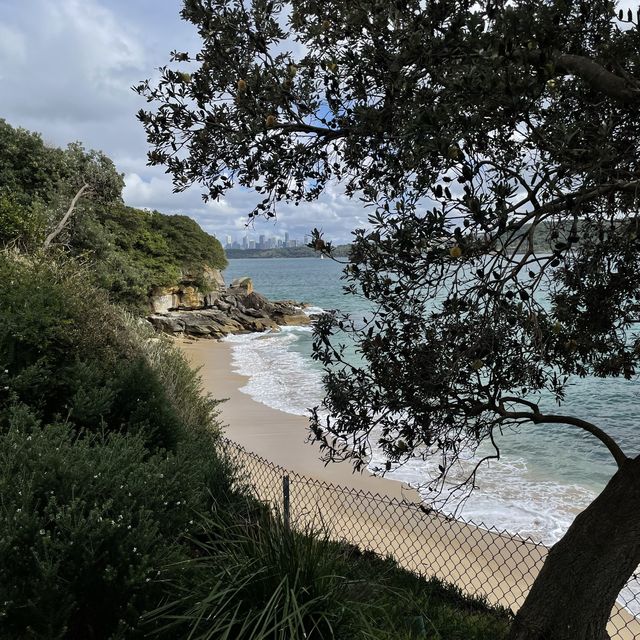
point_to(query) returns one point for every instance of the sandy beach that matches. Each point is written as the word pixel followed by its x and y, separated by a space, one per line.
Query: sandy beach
pixel 275 435
pixel 479 561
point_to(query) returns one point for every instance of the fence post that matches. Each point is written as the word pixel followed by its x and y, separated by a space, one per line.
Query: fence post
pixel 285 499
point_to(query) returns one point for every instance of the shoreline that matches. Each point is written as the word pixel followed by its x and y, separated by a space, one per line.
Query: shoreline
pixel 451 550
pixel 275 435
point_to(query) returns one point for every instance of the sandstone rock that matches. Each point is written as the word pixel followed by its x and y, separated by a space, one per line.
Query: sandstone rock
pixel 244 283
pixel 254 300
pixel 222 305
pixel 166 323
pixel 297 320
pixel 213 278
pixel 256 313
pixel 164 299
pixel 211 298
pixel 191 298
pixel 238 309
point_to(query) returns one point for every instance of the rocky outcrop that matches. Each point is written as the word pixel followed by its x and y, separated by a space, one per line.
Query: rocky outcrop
pixel 237 309
pixel 187 294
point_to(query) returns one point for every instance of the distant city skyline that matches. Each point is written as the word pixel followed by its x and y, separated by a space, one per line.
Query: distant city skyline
pixel 261 241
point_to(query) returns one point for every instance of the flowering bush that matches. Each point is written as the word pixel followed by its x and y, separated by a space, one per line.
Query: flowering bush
pixel 92 527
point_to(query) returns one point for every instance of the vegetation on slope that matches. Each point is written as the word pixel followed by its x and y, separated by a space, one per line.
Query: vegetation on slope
pixel 107 459
pixel 120 517
pixel 132 251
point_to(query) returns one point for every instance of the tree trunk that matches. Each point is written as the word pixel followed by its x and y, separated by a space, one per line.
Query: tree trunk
pixel 572 597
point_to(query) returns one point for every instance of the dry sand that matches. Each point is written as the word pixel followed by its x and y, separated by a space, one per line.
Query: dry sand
pixel 478 561
pixel 275 435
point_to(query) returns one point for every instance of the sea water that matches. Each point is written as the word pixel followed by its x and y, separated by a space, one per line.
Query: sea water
pixel 547 473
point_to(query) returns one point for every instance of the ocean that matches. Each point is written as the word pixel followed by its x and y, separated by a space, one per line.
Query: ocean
pixel 547 473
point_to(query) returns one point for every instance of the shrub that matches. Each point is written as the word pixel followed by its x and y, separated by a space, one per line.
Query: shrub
pixel 92 527
pixel 69 355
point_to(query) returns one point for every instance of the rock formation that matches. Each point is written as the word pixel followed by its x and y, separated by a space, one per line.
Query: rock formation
pixel 236 309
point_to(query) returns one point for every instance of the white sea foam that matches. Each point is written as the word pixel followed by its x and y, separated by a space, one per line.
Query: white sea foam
pixel 311 311
pixel 278 377
pixel 509 496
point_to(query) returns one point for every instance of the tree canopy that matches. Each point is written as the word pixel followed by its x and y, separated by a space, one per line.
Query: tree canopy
pixel 469 128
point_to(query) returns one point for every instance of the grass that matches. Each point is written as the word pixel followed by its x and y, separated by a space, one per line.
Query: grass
pixel 263 581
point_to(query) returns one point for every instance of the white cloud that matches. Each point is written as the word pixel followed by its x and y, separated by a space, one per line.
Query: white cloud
pixel 67 67
pixel 78 66
pixel 13 47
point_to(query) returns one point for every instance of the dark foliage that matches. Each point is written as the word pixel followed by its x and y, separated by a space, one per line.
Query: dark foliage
pixel 68 355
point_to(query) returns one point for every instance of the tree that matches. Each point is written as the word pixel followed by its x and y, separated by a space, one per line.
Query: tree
pixel 86 174
pixel 474 130
pixel 38 182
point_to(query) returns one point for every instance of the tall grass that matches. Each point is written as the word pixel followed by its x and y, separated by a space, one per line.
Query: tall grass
pixel 264 581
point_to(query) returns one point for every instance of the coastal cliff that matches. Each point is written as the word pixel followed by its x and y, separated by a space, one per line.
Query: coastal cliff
pixel 220 310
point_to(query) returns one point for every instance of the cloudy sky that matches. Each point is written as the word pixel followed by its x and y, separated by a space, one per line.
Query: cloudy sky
pixel 66 68
pixel 66 71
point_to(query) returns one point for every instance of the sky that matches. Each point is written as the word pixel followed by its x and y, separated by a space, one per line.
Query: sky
pixel 66 71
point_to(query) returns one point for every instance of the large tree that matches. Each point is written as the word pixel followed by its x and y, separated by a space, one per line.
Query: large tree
pixel 499 144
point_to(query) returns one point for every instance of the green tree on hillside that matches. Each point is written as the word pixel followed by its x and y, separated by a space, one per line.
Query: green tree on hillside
pixel 72 198
pixel 42 186
pixel 90 177
pixel 462 124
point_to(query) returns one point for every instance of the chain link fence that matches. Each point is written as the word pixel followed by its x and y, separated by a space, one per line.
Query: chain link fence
pixel 480 560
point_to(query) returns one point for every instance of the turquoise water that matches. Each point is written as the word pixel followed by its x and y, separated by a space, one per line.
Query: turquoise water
pixel 547 473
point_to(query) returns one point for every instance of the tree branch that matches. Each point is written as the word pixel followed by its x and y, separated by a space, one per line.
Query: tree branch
pixel 598 77
pixel 541 418
pixel 329 134
pixel 61 225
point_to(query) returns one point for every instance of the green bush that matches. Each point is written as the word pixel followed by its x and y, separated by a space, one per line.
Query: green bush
pixel 108 467
pixel 68 355
pixel 22 224
pixel 93 528
pixel 135 251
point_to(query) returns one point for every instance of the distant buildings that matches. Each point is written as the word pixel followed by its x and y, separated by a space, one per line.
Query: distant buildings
pixel 263 242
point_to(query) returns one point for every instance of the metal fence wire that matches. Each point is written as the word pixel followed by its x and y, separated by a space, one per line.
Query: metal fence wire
pixel 480 560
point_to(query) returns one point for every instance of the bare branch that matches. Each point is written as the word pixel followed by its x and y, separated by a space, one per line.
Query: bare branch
pixel 61 225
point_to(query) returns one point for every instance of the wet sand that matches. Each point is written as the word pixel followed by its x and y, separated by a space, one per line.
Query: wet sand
pixel 275 435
